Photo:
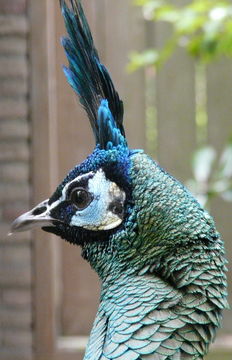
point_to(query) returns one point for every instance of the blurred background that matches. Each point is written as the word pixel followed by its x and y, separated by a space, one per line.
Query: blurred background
pixel 172 66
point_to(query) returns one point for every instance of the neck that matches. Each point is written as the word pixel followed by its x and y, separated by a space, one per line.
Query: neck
pixel 199 270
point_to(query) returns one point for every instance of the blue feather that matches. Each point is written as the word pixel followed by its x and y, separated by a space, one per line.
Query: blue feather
pixel 89 78
pixel 109 134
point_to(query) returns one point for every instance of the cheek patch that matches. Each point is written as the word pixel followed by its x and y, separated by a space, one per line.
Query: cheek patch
pixel 98 215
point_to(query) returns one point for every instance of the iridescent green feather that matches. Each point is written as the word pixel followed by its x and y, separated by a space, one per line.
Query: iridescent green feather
pixel 171 308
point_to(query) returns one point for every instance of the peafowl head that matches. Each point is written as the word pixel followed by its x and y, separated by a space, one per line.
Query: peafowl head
pixel 119 205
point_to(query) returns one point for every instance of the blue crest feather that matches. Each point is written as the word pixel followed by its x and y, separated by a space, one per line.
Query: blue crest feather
pixel 109 134
pixel 90 79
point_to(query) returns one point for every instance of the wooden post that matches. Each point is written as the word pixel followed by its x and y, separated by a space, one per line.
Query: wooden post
pixel 124 33
pixel 175 88
pixel 44 175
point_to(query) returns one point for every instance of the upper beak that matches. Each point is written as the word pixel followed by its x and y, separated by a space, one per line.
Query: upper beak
pixel 37 217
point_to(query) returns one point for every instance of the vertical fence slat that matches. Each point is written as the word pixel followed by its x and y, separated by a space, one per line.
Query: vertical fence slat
pixel 219 88
pixel 135 85
pixel 98 26
pixel 43 113
pixel 219 93
pixel 175 87
pixel 126 32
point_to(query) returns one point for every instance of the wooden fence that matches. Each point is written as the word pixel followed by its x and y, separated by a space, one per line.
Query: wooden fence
pixel 66 290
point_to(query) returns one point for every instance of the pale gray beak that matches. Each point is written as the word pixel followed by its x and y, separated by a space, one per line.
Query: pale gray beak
pixel 37 217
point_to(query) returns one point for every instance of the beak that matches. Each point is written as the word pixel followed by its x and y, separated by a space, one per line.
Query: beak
pixel 37 217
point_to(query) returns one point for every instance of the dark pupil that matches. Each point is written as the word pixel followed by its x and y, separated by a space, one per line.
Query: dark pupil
pixel 81 198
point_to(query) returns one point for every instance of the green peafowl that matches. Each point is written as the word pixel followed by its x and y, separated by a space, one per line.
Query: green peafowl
pixel 156 250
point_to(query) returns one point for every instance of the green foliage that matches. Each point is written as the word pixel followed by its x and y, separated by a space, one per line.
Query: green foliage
pixel 212 174
pixel 145 58
pixel 202 28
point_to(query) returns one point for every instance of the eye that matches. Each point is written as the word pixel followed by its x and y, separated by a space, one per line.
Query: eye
pixel 80 198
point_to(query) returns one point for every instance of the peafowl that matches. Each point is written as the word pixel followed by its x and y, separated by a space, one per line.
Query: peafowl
pixel 156 250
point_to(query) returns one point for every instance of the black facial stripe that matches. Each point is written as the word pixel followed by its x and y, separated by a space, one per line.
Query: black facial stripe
pixel 117 207
pixel 82 183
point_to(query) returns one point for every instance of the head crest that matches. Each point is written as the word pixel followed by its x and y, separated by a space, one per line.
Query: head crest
pixel 90 79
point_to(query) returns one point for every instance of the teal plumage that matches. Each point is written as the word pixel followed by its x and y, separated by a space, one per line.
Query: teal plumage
pixel 156 250
pixel 161 298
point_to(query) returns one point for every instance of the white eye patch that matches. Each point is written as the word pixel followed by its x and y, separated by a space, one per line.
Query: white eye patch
pixel 100 214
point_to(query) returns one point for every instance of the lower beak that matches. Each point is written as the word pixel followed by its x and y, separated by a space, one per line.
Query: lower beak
pixel 37 217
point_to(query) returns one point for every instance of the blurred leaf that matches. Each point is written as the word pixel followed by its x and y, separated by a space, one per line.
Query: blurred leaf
pixel 146 58
pixel 202 163
pixel 219 13
pixel 220 186
pixel 167 13
pixel 212 177
pixel 189 21
pixel 150 7
pixel 147 2
pixel 226 162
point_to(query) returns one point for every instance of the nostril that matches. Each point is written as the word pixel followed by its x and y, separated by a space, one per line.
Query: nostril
pixel 39 210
